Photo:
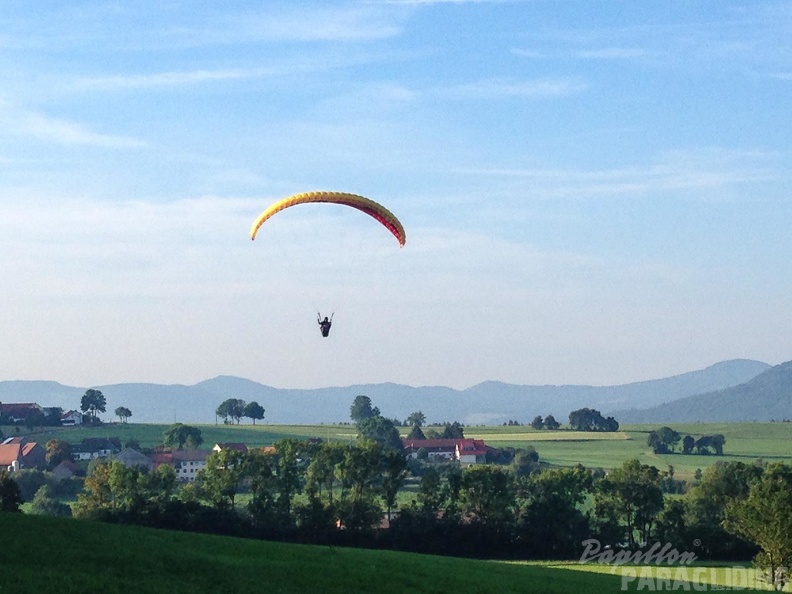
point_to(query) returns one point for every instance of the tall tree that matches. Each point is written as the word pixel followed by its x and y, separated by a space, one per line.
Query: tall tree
pixel 537 422
pixel 57 451
pixel 361 409
pixel 720 484
pixel 233 408
pixel 633 493
pixel 552 521
pixel 262 479
pixel 416 433
pixel 765 519
pixel 115 491
pixel 487 494
pixel 663 440
pixel 394 471
pixel 453 431
pixel 416 419
pixel 589 419
pixel 46 504
pixel 359 472
pixel 10 494
pixel 289 476
pixel 123 413
pixel 551 423
pixel 254 411
pixel 93 402
pixel 380 430
pixel 222 477
pixel 179 435
pixel 320 474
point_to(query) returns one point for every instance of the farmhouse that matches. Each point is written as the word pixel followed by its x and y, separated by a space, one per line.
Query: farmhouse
pixel 17 453
pixel 470 451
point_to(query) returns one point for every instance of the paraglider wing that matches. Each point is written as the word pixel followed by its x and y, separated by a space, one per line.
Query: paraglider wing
pixel 371 208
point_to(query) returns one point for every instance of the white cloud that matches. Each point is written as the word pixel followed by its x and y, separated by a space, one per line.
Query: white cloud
pixel 448 1
pixel 702 169
pixel 166 79
pixel 605 53
pixel 62 131
pixel 502 87
pixel 313 25
pixel 612 53
pixel 530 53
pixel 31 123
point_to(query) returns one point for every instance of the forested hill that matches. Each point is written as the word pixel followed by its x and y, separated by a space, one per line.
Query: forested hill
pixel 766 397
pixel 489 402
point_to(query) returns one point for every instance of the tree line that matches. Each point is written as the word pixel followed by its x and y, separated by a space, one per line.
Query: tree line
pixel 234 409
pixel 334 493
pixel 665 441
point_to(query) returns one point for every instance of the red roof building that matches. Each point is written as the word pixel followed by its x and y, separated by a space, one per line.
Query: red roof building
pixel 466 451
pixel 17 412
pixel 471 451
pixel 17 453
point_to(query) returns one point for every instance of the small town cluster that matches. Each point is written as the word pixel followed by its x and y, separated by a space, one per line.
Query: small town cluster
pixel 19 452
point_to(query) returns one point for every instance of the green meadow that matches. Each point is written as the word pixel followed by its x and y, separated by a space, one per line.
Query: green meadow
pixel 75 556
pixel 745 442
pixel 150 435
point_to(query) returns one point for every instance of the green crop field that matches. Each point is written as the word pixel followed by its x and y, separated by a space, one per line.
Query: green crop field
pixel 150 435
pixel 745 442
pixel 70 556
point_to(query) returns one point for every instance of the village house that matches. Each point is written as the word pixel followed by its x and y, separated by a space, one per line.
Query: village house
pixel 131 458
pixel 71 418
pixel 66 470
pixel 437 449
pixel 185 463
pixel 17 453
pixel 96 447
pixel 470 451
pixel 18 412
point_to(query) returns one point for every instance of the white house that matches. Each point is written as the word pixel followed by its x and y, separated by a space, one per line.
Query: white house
pixel 71 418
pixel 187 463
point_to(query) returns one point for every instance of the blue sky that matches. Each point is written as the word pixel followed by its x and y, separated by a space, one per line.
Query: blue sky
pixel 593 192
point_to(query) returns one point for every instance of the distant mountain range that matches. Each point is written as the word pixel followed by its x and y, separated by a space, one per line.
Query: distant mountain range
pixel 757 391
pixel 766 397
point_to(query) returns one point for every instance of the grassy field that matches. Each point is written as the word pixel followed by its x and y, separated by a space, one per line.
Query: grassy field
pixel 149 435
pixel 745 442
pixel 69 556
